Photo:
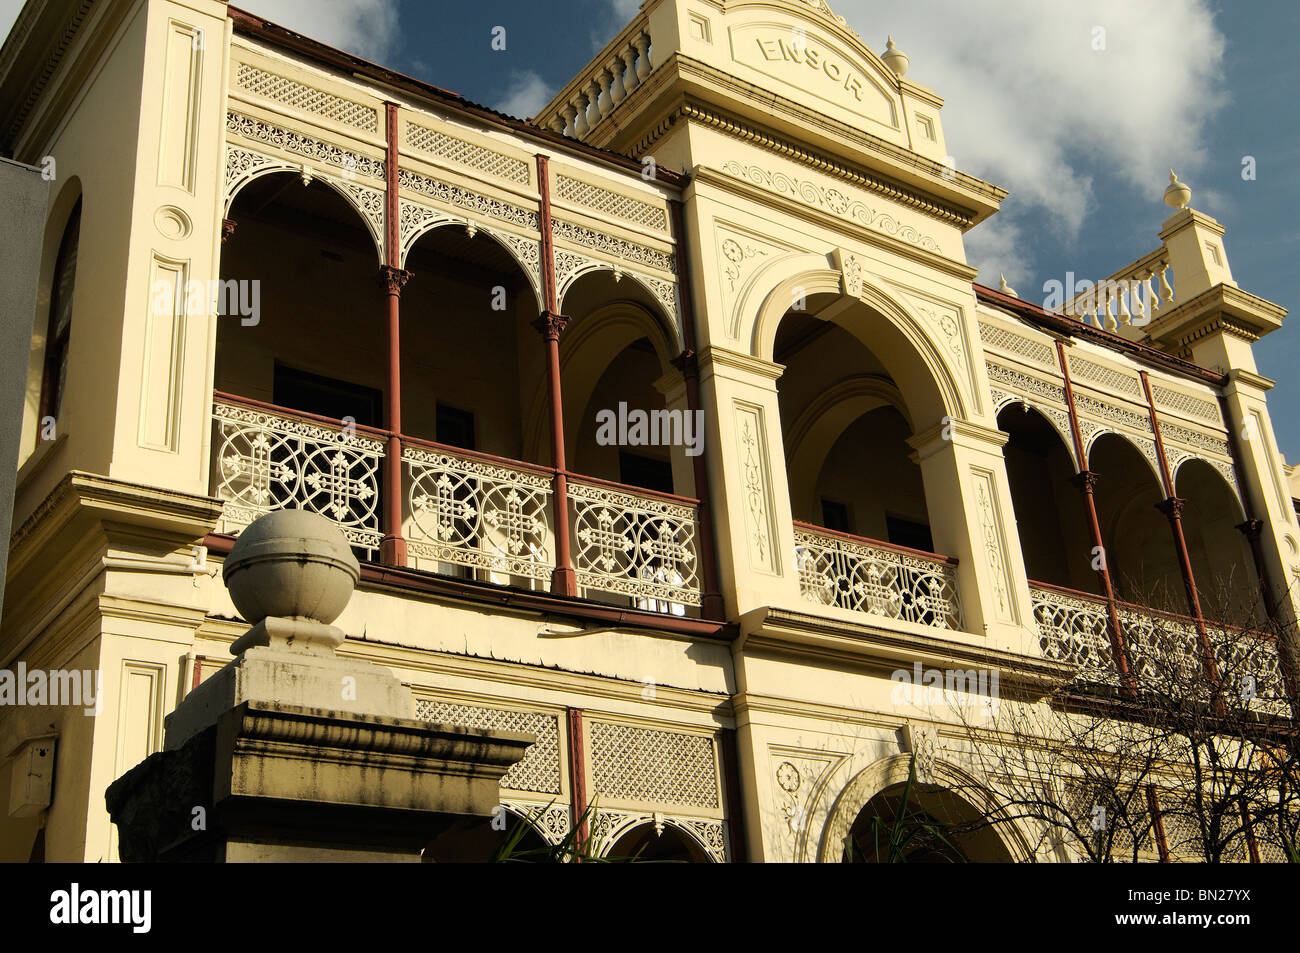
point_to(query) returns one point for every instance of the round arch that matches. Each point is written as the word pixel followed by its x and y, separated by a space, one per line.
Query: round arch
pixel 1055 541
pixel 646 827
pixel 1135 534
pixel 1222 562
pixel 523 259
pixel 371 219
pixel 884 325
pixel 1146 453
pixel 888 772
pixel 1058 420
pixel 58 217
pixel 667 322
pixel 586 349
pixel 820 425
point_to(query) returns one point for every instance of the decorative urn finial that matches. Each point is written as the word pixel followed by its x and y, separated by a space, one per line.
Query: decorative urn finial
pixel 1005 288
pixel 895 58
pixel 291 564
pixel 1177 195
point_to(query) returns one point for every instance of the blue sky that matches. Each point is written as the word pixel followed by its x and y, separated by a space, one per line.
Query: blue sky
pixel 1082 137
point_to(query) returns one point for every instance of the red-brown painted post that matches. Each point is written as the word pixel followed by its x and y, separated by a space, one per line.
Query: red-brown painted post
pixel 1086 481
pixel 577 779
pixel 393 279
pixel 1172 507
pixel 551 324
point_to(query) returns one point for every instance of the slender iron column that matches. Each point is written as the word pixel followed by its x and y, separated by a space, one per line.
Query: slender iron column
pixel 393 278
pixel 551 324
pixel 1086 481
pixel 1172 507
pixel 577 777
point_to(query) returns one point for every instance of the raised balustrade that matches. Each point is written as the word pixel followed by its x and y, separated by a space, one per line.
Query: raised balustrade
pixel 264 460
pixel 636 543
pixel 1163 649
pixel 611 77
pixel 1132 296
pixel 464 513
pixel 478 512
pixel 865 575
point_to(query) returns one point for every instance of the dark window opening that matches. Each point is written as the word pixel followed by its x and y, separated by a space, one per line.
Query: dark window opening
pixel 454 427
pixel 326 397
pixel 645 472
pixel 908 533
pixel 55 377
pixel 835 516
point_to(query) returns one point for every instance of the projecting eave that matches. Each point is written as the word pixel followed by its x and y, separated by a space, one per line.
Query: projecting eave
pixel 685 89
pixel 1066 327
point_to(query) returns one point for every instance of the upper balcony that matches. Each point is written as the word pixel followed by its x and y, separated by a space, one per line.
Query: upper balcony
pixel 447 464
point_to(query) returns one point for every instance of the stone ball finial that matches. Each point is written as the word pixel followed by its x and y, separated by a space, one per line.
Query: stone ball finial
pixel 291 564
pixel 1177 195
pixel 895 58
pixel 1005 288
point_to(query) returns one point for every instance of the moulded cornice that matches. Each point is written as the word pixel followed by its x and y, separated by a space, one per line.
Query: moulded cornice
pixel 831 145
pixel 872 647
pixel 713 357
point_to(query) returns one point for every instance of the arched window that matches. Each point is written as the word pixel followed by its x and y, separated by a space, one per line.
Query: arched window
pixel 60 325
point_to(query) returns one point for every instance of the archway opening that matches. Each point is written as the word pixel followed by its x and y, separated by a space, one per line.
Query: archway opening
pixel 471 360
pixel 303 319
pixel 1049 511
pixel 625 414
pixel 927 824
pixel 1222 563
pixel 1139 548
pixel 845 425
pixel 663 844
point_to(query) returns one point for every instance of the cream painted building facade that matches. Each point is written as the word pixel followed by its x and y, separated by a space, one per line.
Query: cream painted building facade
pixel 738 209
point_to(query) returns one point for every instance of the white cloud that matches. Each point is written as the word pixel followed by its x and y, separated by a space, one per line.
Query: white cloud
pixel 526 94
pixel 997 248
pixel 366 28
pixel 1030 104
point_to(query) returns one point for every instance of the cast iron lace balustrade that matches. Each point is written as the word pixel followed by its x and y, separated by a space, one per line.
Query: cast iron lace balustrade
pixel 1163 649
pixel 869 576
pixel 1073 628
pixel 1249 663
pixel 265 459
pixel 636 543
pixel 469 510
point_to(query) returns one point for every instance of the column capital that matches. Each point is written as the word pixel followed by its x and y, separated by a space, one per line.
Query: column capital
pixel 1172 507
pixel 1085 481
pixel 687 362
pixel 393 279
pixel 1251 528
pixel 551 325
